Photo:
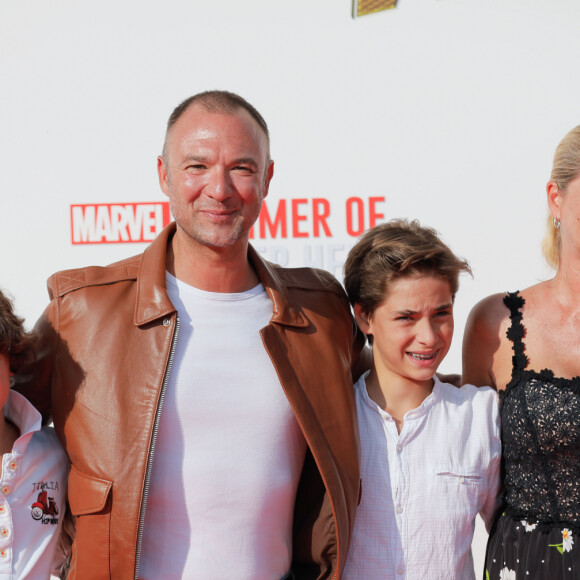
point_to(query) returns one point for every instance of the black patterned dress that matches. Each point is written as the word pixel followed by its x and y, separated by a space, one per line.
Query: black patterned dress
pixel 537 534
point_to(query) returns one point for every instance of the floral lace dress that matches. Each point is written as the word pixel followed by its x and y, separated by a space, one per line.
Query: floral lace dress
pixel 537 534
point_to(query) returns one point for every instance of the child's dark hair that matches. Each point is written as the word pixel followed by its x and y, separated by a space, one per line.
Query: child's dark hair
pixel 393 250
pixel 14 340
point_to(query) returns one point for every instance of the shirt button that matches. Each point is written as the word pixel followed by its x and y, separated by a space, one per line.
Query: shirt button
pixel 166 321
pixel 3 554
pixel 461 479
pixel 2 509
pixel 399 509
pixel 5 489
pixel 399 448
pixel 13 465
pixel 400 570
pixel 4 532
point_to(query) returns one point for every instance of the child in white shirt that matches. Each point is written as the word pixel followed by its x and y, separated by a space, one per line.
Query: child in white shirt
pixel 430 452
pixel 34 469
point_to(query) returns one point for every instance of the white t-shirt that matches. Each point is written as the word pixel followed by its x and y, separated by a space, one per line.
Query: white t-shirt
pixel 422 488
pixel 32 496
pixel 229 452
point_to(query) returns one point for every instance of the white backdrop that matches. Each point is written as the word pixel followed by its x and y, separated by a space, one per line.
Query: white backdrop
pixel 449 110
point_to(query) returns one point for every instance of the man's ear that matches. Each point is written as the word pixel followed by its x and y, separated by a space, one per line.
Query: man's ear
pixel 162 174
pixel 362 318
pixel 267 178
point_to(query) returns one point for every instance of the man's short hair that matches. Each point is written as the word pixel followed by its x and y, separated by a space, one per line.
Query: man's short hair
pixel 216 102
pixel 14 340
pixel 393 250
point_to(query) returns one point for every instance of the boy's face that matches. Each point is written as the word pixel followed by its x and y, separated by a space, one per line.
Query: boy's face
pixel 4 379
pixel 412 328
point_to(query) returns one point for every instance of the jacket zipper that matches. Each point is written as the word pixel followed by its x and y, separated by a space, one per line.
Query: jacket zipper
pixel 152 447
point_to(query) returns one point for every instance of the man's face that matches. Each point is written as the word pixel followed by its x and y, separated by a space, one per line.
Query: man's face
pixel 216 172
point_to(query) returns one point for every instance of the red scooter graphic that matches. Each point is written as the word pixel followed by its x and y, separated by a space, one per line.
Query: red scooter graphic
pixel 44 506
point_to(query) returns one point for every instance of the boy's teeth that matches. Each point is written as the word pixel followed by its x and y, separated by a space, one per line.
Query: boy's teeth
pixel 422 356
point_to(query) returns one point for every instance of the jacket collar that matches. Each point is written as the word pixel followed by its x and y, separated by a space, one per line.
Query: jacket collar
pixel 152 301
pixel 285 311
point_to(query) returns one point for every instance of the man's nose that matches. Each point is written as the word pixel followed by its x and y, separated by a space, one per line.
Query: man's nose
pixel 219 186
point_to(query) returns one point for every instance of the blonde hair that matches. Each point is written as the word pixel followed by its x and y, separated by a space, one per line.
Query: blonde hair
pixel 565 168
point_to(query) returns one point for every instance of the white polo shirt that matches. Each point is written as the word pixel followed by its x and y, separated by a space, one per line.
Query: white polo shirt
pixel 32 496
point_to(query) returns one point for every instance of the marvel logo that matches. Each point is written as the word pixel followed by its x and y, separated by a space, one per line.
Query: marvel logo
pixel 114 223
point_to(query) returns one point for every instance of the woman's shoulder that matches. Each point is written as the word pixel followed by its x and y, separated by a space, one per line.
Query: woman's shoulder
pixel 493 312
pixel 488 319
pixel 486 351
pixel 535 298
pixel 490 311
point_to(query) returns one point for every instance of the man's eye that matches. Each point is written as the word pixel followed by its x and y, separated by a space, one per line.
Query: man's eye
pixel 404 318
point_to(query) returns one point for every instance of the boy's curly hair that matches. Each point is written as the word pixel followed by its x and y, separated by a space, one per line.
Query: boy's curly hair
pixel 14 340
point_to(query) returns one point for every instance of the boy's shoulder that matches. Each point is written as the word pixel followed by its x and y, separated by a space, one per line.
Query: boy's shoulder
pixel 46 445
pixel 475 408
pixel 480 397
pixel 47 436
pixel 360 388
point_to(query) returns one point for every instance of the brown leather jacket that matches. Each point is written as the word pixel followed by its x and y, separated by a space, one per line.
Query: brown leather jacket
pixel 108 335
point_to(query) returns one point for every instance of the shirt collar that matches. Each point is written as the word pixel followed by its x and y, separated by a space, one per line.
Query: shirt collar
pixel 26 418
pixel 422 409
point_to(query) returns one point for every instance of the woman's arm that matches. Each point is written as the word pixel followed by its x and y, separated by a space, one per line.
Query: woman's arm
pixel 483 357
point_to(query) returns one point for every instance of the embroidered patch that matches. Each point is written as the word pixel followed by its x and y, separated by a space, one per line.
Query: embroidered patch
pixel 44 509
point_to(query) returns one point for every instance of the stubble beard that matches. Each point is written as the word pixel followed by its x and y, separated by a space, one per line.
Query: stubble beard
pixel 212 235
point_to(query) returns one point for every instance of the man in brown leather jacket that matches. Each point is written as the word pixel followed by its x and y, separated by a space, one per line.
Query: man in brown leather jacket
pixel 133 395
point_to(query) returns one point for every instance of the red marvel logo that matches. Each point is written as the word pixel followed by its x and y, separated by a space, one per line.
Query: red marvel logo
pixel 114 223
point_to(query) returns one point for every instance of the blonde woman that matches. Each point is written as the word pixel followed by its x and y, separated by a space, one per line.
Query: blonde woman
pixel 527 345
